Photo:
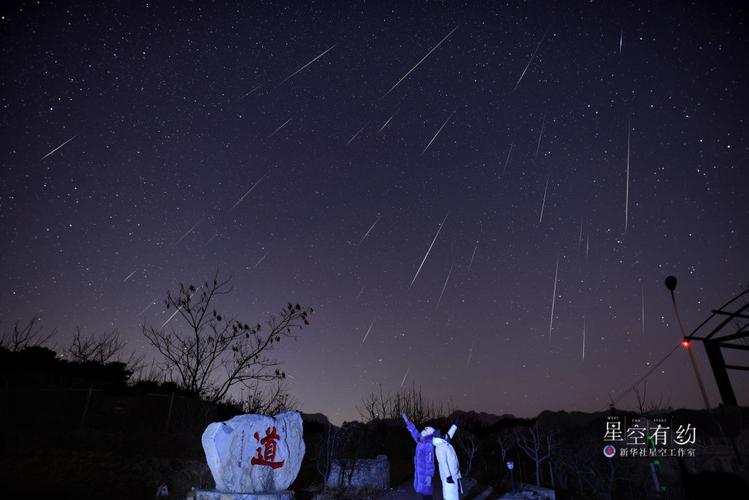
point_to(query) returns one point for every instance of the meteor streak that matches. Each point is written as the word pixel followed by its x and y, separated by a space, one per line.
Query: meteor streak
pixel 261 259
pixel 543 203
pixel 188 232
pixel 584 325
pixel 385 124
pixel 470 264
pixel 438 132
pixel 248 192
pixel 626 203
pixel 179 308
pixel 428 250
pixel 58 147
pixel 404 376
pixel 279 128
pixel 369 230
pixel 553 298
pixel 170 317
pixel 529 62
pixel 444 287
pixel 251 91
pixel 420 61
pixel 587 244
pixel 540 134
pixel 621 40
pixel 148 306
pixel 642 312
pixel 507 160
pixel 367 334
pixel 354 136
pixel 305 66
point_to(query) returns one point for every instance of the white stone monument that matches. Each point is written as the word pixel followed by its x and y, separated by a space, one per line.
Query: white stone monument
pixel 253 457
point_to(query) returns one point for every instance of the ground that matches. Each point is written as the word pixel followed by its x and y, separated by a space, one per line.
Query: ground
pixel 406 491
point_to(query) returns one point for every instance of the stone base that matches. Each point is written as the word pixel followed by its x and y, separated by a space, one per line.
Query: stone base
pixel 221 495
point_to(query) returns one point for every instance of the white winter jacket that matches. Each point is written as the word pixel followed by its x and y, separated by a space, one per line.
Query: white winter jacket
pixel 448 465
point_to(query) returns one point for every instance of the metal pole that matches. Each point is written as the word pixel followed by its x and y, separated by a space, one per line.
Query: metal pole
pixel 718 364
pixel 512 476
pixel 671 285
pixel 697 374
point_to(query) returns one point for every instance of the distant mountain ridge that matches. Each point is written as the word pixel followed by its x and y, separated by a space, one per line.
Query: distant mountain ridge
pixel 482 418
pixel 316 418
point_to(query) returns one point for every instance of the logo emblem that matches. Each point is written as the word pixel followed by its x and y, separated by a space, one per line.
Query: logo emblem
pixel 609 451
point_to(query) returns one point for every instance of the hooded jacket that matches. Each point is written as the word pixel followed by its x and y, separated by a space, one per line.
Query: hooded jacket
pixel 423 458
pixel 448 466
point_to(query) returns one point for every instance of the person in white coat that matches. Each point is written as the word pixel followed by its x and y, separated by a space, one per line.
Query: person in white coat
pixel 448 464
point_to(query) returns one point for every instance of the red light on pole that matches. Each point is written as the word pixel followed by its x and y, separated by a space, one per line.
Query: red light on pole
pixel 671 285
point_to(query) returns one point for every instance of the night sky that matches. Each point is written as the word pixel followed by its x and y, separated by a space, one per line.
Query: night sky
pixel 435 176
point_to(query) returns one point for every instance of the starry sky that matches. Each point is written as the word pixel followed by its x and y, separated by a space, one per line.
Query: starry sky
pixel 471 186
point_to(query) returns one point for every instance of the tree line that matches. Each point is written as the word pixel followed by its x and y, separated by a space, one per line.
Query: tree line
pixel 203 354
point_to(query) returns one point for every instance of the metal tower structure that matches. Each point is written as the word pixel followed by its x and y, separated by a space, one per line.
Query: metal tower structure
pixel 726 328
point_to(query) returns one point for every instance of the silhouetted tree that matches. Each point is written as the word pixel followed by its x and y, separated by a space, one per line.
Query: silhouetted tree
pixel 271 402
pixel 537 445
pixel 645 407
pixel 467 442
pixel 92 348
pixel 22 336
pixel 326 453
pixel 102 349
pixel 113 374
pixel 507 439
pixel 214 353
pixel 578 465
pixel 380 405
pixel 29 358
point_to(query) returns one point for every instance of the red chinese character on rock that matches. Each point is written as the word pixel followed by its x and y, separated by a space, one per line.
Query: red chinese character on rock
pixel 268 456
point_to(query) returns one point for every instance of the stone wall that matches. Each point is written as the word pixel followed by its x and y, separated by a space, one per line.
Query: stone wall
pixel 360 473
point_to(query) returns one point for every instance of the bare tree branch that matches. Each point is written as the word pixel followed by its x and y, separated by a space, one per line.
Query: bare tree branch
pixel 467 442
pixel 379 405
pixel 23 336
pixel 102 349
pixel 214 353
pixel 531 441
pixel 645 407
